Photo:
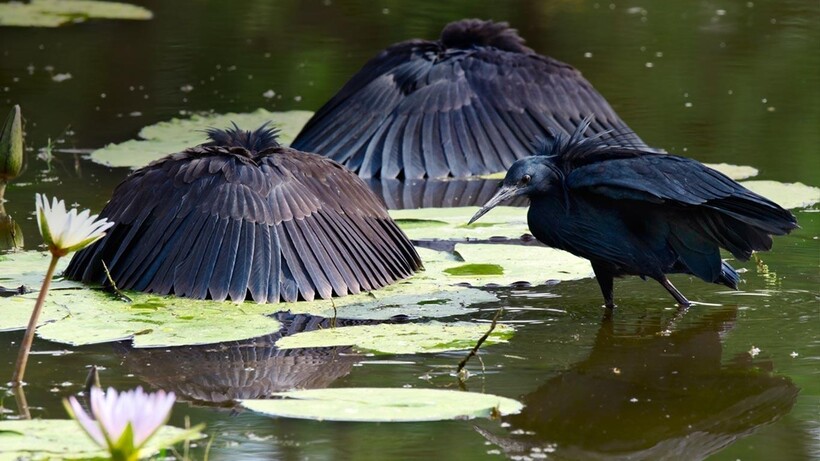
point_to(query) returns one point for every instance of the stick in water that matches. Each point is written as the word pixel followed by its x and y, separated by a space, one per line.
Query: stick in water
pixel 481 340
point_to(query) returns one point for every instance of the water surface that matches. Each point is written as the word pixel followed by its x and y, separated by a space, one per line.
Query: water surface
pixel 721 81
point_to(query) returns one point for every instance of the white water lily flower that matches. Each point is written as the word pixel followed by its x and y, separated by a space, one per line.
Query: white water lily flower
pixel 123 422
pixel 66 231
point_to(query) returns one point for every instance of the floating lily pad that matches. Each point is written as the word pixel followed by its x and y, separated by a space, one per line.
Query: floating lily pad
pixel 517 263
pixel 736 172
pixel 92 316
pixel 451 223
pixel 176 135
pixel 403 338
pixel 29 268
pixel 384 405
pixel 787 195
pixel 57 439
pixel 79 315
pixel 423 296
pixel 54 13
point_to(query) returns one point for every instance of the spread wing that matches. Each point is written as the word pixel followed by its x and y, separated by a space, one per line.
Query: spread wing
pixel 419 110
pixel 214 223
pixel 734 217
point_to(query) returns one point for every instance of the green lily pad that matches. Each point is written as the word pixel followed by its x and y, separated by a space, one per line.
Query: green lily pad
pixel 78 315
pixel 384 405
pixel 451 223
pixel 29 268
pixel 176 135
pixel 92 317
pixel 57 439
pixel 736 172
pixel 422 296
pixel 483 264
pixel 55 13
pixel 787 195
pixel 519 263
pixel 403 338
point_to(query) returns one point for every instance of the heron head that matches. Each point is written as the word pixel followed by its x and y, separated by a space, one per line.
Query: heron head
pixel 527 176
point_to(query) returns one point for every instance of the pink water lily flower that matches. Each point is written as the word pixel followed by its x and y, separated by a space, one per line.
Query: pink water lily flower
pixel 112 413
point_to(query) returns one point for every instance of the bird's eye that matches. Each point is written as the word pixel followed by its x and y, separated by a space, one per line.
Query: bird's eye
pixel 526 179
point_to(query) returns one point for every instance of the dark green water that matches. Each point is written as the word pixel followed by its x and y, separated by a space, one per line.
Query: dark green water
pixel 730 81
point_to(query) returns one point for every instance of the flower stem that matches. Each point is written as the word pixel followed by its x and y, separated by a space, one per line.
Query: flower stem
pixel 28 338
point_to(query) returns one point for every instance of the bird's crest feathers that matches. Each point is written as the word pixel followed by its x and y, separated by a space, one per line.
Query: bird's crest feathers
pixel 580 149
pixel 476 32
pixel 264 137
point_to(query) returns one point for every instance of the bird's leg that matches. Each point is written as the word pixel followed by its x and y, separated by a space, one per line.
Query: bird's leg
pixel 605 281
pixel 679 297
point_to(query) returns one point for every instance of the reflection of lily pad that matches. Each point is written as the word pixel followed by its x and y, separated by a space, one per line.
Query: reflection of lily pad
pixel 787 195
pixel 176 135
pixel 54 13
pixel 404 338
pixel 57 439
pixel 451 223
pixel 75 314
pixel 384 405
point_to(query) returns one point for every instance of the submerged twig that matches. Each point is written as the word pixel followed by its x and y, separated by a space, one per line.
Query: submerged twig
pixel 478 344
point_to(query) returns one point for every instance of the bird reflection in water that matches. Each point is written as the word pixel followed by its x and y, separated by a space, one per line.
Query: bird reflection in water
pixel 649 394
pixel 250 369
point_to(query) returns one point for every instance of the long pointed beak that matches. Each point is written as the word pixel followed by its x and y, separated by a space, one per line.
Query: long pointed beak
pixel 505 193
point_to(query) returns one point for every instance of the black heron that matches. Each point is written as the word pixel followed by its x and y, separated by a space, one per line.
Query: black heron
pixel 635 212
pixel 243 217
pixel 469 103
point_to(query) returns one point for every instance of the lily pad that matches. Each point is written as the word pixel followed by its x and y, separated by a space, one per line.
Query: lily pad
pixel 29 268
pixel 176 135
pixel 79 315
pixel 787 195
pixel 451 223
pixel 423 296
pixel 517 263
pixel 56 439
pixel 384 405
pixel 92 316
pixel 54 13
pixel 404 338
pixel 736 172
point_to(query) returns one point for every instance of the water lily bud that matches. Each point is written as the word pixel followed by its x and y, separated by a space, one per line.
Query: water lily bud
pixel 11 146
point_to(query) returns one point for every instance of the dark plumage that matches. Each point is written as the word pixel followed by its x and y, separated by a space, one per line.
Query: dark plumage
pixel 467 104
pixel 243 217
pixel 634 212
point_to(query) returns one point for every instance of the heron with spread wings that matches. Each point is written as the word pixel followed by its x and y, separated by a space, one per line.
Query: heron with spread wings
pixel 469 103
pixel 242 217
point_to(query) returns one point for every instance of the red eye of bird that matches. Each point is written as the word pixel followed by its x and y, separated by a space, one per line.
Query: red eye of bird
pixel 526 179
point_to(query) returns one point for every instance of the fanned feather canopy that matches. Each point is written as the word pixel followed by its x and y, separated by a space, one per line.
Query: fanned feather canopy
pixel 468 104
pixel 242 217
